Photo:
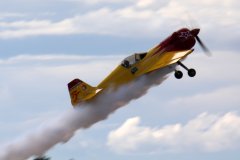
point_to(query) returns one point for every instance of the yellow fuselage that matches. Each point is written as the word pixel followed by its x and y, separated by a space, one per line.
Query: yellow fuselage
pixel 152 61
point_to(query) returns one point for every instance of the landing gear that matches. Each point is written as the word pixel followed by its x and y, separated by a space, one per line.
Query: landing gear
pixel 179 74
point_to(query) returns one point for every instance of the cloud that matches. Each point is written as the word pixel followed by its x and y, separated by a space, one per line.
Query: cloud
pixel 5 15
pixel 221 99
pixel 88 23
pixel 142 18
pixel 144 4
pixel 54 59
pixel 18 29
pixel 95 2
pixel 56 64
pixel 206 132
pixel 221 66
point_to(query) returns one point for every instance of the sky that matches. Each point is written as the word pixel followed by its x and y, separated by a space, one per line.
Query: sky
pixel 46 44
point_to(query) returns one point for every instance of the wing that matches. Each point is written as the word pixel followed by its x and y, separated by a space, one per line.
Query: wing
pixel 169 58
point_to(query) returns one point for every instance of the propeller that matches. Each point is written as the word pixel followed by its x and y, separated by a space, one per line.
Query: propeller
pixel 195 32
pixel 203 46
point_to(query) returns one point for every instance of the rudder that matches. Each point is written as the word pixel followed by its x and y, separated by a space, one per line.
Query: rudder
pixel 80 91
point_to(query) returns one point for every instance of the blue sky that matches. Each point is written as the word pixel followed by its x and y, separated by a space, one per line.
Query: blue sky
pixel 45 44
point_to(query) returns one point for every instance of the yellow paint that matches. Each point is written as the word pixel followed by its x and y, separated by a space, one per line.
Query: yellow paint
pixel 121 75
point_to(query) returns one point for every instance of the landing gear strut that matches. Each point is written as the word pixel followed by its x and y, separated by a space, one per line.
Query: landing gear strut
pixel 179 74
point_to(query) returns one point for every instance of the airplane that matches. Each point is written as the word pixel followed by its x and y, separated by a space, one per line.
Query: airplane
pixel 172 50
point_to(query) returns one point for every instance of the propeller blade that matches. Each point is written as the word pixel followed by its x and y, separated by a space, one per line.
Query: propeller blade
pixel 203 46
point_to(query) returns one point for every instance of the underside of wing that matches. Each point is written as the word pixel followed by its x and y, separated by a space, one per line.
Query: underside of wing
pixel 169 58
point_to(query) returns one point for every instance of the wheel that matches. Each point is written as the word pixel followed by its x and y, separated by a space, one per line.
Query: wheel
pixel 178 74
pixel 191 72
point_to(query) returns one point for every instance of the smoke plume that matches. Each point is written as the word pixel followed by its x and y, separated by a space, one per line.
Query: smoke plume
pixel 60 130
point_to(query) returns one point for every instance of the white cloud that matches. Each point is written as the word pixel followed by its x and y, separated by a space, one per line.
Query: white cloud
pixel 144 3
pixel 142 18
pixel 5 15
pixel 94 2
pixel 222 99
pixel 114 24
pixel 206 132
pixel 19 29
pixel 222 65
pixel 51 58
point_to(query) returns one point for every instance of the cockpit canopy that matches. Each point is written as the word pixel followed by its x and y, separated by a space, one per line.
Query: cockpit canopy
pixel 131 60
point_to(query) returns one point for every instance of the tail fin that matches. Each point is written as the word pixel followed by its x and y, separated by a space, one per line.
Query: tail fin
pixel 80 91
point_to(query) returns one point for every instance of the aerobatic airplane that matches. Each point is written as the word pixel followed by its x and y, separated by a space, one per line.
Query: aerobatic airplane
pixel 171 51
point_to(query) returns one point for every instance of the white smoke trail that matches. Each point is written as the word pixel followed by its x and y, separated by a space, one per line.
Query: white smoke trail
pixel 63 128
